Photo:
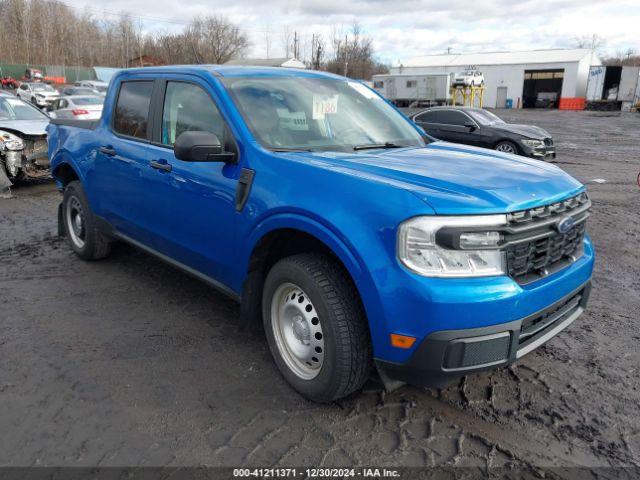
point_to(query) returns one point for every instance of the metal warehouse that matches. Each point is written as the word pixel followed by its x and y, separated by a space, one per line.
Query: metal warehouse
pixel 518 79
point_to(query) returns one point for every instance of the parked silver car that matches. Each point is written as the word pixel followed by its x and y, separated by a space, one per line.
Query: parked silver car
pixel 40 94
pixel 84 91
pixel 79 107
pixel 96 85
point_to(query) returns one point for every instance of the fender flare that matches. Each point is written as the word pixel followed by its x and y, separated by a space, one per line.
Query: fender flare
pixel 63 158
pixel 330 236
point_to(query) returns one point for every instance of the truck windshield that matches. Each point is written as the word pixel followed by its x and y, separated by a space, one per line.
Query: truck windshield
pixel 296 113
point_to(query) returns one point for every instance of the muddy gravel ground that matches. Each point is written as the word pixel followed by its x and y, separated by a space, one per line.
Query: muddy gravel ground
pixel 129 362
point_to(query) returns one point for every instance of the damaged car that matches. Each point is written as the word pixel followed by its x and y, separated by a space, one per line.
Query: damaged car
pixel 23 142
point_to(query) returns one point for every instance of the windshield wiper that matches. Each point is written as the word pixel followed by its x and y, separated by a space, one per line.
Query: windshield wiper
pixel 373 146
pixel 284 149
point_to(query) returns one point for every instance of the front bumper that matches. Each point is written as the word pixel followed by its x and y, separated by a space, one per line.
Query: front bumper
pixel 543 152
pixel 45 102
pixel 445 356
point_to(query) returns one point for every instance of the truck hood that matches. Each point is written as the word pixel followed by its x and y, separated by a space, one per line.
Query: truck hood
pixel 458 179
pixel 529 131
pixel 25 127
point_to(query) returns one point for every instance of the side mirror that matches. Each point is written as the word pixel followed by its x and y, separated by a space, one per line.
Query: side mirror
pixel 198 146
pixel 471 126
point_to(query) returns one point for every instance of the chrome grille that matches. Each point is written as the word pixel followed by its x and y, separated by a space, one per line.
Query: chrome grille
pixel 565 206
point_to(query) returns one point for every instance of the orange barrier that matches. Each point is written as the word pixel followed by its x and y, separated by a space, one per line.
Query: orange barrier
pixel 571 103
pixel 56 80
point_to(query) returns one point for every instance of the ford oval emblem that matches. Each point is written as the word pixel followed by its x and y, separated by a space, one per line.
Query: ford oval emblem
pixel 564 225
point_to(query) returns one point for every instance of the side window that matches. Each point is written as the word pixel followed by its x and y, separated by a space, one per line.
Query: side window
pixel 428 117
pixel 132 110
pixel 188 107
pixel 24 87
pixel 62 103
pixel 451 117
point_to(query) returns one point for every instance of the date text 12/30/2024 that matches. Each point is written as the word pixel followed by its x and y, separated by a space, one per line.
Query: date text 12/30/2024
pixel 312 473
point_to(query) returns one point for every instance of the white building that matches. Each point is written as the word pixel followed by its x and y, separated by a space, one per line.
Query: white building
pixel 518 76
pixel 268 62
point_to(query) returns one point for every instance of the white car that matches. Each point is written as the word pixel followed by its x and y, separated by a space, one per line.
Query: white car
pixel 97 85
pixel 78 107
pixel 468 78
pixel 40 94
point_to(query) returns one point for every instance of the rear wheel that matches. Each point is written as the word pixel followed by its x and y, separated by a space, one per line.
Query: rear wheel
pixel 79 225
pixel 316 327
pixel 507 147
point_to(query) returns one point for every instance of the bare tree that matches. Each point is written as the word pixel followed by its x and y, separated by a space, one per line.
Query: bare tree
pixel 353 54
pixel 593 42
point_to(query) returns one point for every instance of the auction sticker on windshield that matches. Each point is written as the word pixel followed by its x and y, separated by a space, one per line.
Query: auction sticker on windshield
pixel 324 105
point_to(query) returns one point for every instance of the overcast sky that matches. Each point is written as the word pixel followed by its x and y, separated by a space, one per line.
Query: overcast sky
pixel 402 29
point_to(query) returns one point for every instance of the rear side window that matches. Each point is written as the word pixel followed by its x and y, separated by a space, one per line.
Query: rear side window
pixel 428 117
pixel 451 117
pixel 132 110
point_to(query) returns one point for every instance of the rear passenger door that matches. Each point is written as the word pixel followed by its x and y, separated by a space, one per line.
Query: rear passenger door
pixel 121 175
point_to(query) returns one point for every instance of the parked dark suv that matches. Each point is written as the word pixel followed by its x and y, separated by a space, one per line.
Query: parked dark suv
pixel 475 126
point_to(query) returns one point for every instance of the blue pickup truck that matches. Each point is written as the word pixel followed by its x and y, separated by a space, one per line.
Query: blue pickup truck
pixel 359 242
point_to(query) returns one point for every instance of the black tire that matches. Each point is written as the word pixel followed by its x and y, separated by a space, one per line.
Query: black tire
pixel 95 245
pixel 506 144
pixel 347 346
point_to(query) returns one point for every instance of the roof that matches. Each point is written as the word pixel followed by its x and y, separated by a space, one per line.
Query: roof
pixel 268 62
pixel 499 58
pixel 230 71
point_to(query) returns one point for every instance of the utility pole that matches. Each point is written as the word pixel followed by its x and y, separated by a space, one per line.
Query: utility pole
pixel 296 53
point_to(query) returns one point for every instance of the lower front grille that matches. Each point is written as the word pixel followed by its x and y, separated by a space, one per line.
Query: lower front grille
pixel 534 327
pixel 529 261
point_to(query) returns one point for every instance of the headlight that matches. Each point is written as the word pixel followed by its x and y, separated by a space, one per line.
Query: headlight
pixel 478 254
pixel 11 142
pixel 532 143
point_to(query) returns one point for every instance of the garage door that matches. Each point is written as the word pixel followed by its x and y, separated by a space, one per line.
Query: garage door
pixel 542 88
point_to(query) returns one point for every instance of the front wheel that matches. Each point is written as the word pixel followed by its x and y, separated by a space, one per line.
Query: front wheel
pixel 507 147
pixel 316 327
pixel 79 225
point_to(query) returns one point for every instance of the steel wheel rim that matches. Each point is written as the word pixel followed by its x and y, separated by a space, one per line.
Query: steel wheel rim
pixel 506 148
pixel 76 222
pixel 297 331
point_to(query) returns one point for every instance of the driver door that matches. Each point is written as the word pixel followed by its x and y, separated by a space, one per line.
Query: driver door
pixel 194 202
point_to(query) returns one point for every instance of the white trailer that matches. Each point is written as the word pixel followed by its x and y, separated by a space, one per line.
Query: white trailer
pixel 404 90
pixel 613 84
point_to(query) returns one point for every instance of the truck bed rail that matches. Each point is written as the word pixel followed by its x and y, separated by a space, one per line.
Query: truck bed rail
pixel 68 122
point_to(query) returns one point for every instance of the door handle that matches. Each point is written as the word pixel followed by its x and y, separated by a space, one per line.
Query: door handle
pixel 109 151
pixel 160 166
